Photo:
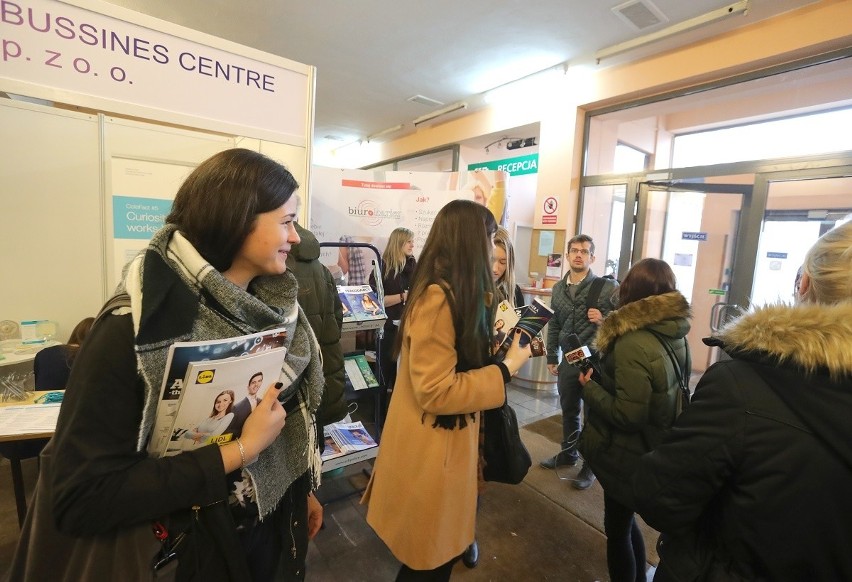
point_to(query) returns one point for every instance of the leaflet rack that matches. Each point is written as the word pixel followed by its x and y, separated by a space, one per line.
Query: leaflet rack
pixel 378 329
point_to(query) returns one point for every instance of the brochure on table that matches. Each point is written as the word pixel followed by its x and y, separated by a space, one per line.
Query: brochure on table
pixel 182 354
pixel 347 443
pixel 359 375
pixel 361 307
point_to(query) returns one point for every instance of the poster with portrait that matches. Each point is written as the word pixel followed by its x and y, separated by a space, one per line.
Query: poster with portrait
pixel 365 206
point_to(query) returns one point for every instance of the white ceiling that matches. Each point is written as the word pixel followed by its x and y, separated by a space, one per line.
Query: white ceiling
pixel 372 55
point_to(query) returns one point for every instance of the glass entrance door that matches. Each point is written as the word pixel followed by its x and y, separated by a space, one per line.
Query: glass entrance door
pixel 732 239
pixel 801 206
pixel 697 228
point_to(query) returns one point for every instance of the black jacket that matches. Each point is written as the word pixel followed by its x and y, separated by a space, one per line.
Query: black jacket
pixel 754 478
pixel 321 304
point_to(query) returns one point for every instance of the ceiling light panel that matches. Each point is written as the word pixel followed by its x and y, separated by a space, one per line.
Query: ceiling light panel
pixel 423 100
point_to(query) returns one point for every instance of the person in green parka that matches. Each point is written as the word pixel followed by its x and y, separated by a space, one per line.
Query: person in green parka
pixel 319 300
pixel 633 404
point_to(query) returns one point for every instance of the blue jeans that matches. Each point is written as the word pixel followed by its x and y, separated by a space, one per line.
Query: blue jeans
pixel 570 396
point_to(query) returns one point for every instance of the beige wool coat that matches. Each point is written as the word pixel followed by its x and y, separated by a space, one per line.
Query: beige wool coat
pixel 422 495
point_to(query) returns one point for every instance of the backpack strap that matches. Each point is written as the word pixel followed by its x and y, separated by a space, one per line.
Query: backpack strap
pixel 681 379
pixel 116 302
pixel 595 288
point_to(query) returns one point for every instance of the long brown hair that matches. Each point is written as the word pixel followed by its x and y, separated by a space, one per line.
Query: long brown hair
pixel 645 278
pixel 457 256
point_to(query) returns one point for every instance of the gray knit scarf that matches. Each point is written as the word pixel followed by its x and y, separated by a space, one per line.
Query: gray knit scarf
pixel 176 295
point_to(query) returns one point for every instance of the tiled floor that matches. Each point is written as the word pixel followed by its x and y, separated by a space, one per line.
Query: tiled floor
pixel 532 404
pixel 329 559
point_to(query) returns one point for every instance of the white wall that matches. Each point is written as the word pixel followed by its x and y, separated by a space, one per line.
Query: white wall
pixel 51 248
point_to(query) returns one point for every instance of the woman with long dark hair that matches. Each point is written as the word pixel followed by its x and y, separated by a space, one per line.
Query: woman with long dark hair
pixel 634 403
pixel 422 496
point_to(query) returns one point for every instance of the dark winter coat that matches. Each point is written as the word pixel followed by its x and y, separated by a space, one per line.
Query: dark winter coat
pixel 635 404
pixel 754 478
pixel 321 304
pixel 571 315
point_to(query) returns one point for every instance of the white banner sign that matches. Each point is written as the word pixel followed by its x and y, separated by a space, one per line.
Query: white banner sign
pixel 52 47
pixel 364 206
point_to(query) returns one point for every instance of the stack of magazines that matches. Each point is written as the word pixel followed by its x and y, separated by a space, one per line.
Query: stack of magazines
pixel 342 438
pixel 361 308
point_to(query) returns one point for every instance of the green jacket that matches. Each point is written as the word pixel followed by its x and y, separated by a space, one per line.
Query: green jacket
pixel 634 406
pixel 321 304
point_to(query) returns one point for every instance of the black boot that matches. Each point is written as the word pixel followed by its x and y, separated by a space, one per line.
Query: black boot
pixel 470 557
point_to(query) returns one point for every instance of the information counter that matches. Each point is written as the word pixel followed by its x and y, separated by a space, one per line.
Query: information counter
pixel 534 374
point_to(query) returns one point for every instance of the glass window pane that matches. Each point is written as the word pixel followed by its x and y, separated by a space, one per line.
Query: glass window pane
pixel 797 136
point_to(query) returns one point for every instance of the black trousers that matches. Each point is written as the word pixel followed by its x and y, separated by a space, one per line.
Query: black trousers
pixel 276 548
pixel 625 547
pixel 439 574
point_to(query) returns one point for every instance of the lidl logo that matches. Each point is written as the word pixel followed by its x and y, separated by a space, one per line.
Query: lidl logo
pixel 205 376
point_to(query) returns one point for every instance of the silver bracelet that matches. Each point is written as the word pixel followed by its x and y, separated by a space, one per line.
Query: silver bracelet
pixel 242 453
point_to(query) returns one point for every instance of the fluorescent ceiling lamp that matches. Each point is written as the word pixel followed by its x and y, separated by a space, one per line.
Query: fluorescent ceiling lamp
pixel 740 7
pixel 440 112
pixel 383 133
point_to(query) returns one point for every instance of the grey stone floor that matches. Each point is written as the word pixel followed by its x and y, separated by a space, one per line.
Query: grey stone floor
pixel 526 531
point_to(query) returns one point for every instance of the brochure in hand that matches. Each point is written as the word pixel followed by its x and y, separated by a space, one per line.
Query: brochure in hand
pixel 218 396
pixel 181 354
pixel 529 318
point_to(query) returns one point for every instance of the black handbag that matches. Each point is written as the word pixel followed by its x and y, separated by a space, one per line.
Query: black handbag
pixel 506 458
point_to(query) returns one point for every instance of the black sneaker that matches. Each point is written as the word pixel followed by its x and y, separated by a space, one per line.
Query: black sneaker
pixel 584 479
pixel 562 459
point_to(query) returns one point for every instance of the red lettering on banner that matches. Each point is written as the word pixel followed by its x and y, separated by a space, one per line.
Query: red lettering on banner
pixel 377 185
pixel 548 219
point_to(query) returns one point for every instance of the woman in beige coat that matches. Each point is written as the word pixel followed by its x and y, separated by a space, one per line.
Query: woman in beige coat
pixel 422 496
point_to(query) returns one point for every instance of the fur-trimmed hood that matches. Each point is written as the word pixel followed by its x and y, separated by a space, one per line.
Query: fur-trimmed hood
pixel 667 314
pixel 812 337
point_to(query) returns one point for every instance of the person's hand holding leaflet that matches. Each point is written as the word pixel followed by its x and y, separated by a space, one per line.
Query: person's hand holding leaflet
pixel 517 355
pixel 262 426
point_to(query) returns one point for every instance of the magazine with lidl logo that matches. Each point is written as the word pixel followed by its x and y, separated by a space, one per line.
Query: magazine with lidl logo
pixel 218 396
pixel 181 354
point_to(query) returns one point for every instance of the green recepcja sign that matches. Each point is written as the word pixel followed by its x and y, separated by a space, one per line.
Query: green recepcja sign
pixel 514 166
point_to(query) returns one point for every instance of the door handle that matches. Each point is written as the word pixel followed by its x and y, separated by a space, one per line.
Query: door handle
pixel 721 313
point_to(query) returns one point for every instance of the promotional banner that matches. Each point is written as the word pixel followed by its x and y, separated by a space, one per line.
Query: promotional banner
pixel 142 195
pixel 114 64
pixel 365 206
pixel 524 178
